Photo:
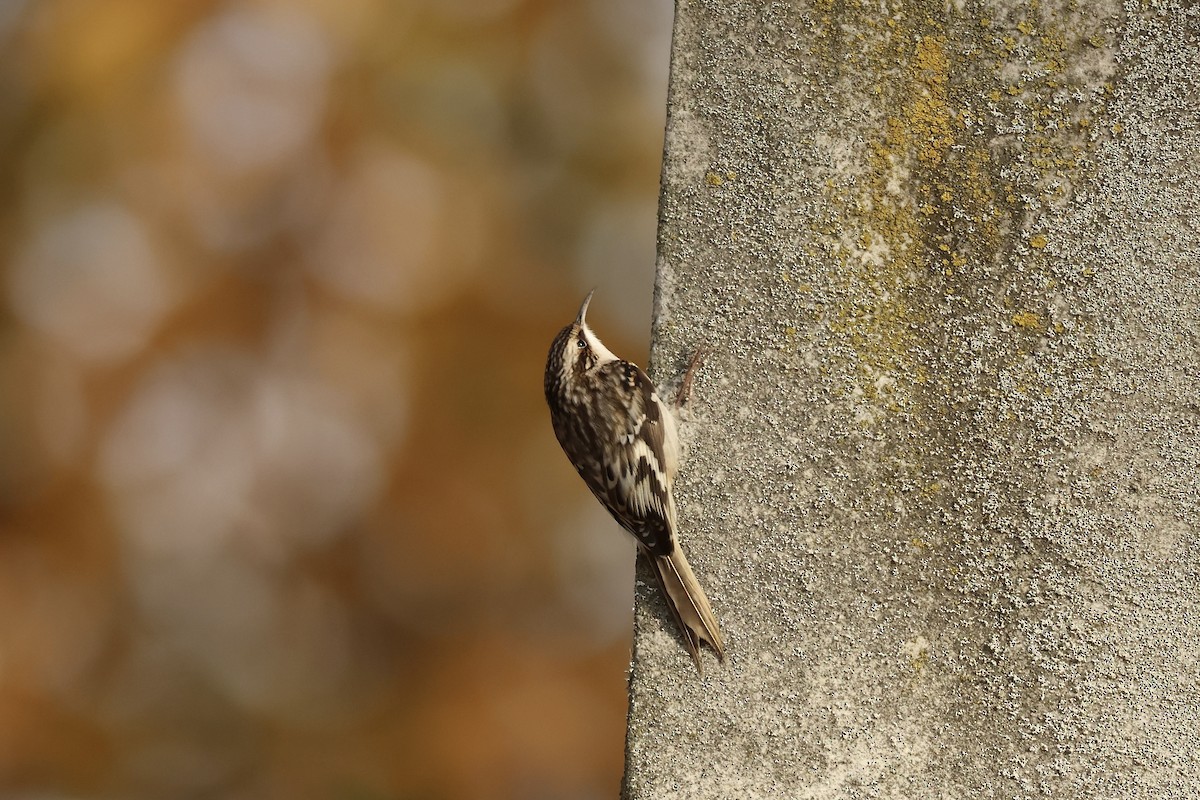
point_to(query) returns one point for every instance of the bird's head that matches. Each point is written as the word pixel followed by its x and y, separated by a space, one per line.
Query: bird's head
pixel 577 350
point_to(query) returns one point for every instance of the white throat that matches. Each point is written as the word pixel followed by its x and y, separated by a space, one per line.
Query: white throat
pixel 603 354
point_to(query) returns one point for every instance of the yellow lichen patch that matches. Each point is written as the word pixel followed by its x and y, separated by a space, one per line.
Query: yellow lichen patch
pixel 1027 320
pixel 929 116
pixel 1038 240
pixel 917 652
pixel 713 179
pixel 1053 42
pixel 882 236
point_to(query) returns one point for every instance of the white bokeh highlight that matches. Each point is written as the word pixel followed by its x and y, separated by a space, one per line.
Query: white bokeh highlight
pixel 251 84
pixel 92 279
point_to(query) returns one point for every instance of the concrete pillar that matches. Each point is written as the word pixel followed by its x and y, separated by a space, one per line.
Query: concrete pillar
pixel 942 475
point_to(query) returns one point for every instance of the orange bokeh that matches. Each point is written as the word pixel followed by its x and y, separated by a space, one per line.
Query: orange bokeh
pixel 281 513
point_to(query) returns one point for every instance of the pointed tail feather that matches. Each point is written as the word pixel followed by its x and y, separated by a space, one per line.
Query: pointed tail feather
pixel 688 604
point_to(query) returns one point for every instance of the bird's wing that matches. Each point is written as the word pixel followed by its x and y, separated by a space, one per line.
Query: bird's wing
pixel 635 486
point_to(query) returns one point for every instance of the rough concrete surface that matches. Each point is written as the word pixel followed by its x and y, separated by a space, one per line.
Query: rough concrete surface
pixel 941 475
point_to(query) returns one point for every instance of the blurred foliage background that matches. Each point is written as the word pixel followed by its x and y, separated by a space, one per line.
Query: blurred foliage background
pixel 281 512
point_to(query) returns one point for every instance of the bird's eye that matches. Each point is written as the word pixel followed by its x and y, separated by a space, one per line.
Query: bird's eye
pixel 582 344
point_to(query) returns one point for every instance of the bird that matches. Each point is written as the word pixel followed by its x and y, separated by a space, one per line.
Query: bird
pixel 623 440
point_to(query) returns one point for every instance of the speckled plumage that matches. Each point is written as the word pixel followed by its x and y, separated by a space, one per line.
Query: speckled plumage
pixel 621 438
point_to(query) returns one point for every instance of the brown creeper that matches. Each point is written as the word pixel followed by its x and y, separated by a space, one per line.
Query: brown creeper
pixel 622 440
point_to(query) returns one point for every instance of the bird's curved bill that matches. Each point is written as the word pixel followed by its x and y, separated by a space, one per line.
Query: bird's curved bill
pixel 583 308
